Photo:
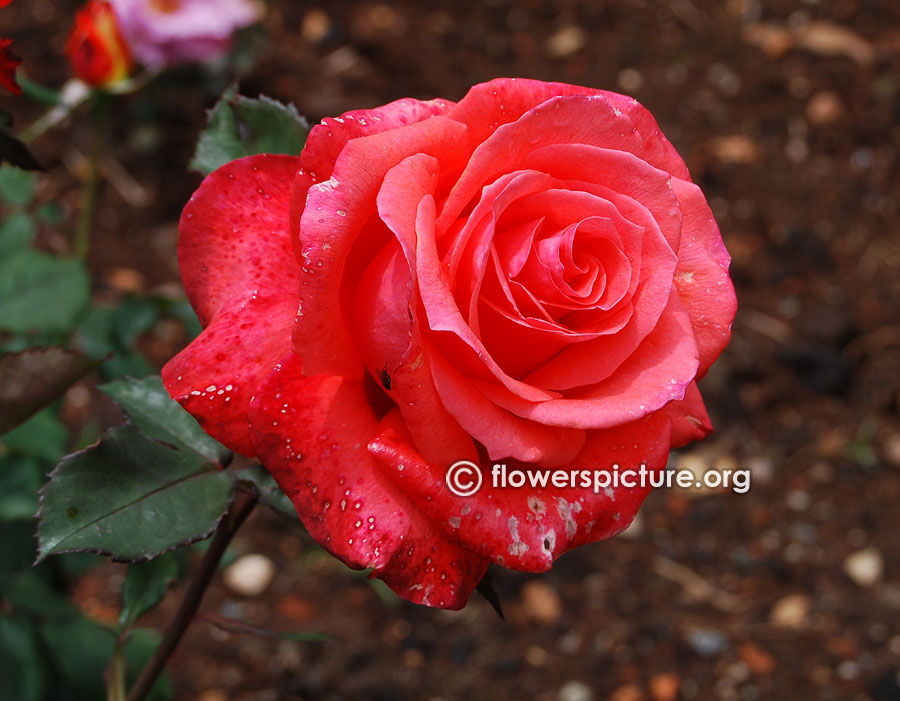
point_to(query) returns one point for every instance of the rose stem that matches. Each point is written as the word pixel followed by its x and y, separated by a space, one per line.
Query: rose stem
pixel 244 502
pixel 89 196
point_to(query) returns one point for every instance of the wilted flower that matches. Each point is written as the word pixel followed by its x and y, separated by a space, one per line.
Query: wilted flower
pixel 96 49
pixel 166 32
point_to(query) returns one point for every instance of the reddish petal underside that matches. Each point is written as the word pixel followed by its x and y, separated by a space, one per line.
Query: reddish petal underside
pixel 241 277
pixel 528 528
pixel 312 433
pixel 215 377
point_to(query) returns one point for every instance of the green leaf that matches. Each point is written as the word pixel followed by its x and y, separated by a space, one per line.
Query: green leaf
pixel 34 378
pixel 81 649
pixel 139 648
pixel 16 232
pixel 17 552
pixel 154 412
pixel 16 185
pixel 41 293
pixel 145 585
pixel 30 592
pixel 131 497
pixel 22 669
pixel 43 437
pixel 20 478
pixel 98 336
pixel 240 126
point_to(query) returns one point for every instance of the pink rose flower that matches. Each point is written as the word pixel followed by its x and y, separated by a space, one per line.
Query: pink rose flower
pixel 167 32
pixel 528 276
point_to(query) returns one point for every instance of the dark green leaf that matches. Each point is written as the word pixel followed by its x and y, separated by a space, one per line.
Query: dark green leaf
pixel 20 478
pixel 145 585
pixel 240 126
pixel 98 336
pixel 17 552
pixel 134 316
pixel 151 409
pixel 41 293
pixel 131 497
pixel 16 232
pixel 43 437
pixel 81 649
pixel 22 671
pixel 30 592
pixel 34 378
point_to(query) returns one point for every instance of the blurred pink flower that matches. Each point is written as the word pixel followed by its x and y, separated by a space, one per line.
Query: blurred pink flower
pixel 166 32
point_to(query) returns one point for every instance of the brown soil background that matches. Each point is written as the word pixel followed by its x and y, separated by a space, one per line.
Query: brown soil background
pixel 788 115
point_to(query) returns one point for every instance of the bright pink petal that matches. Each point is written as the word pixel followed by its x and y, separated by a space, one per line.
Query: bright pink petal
pixel 436 433
pixel 327 139
pixel 658 371
pixel 445 318
pixel 527 528
pixel 312 433
pixel 701 277
pixel 658 151
pixel 584 120
pixel 336 211
pixel 500 101
pixel 241 277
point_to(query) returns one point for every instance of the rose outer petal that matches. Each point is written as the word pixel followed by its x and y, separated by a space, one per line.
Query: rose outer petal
pixel 528 528
pixel 503 100
pixel 311 433
pixel 701 276
pixel 240 275
pixel 336 211
pixel 690 422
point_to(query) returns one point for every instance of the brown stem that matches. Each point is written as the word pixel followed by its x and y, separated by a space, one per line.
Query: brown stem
pixel 244 502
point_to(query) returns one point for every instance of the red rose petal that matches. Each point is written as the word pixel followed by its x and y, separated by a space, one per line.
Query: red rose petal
pixel 701 276
pixel 488 105
pixel 436 433
pixel 215 377
pixel 690 422
pixel 658 371
pixel 584 120
pixel 241 277
pixel 336 211
pixel 327 139
pixel 311 433
pixel 502 433
pixel 527 528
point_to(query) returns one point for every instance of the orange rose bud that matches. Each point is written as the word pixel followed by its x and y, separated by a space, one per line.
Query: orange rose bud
pixel 96 48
